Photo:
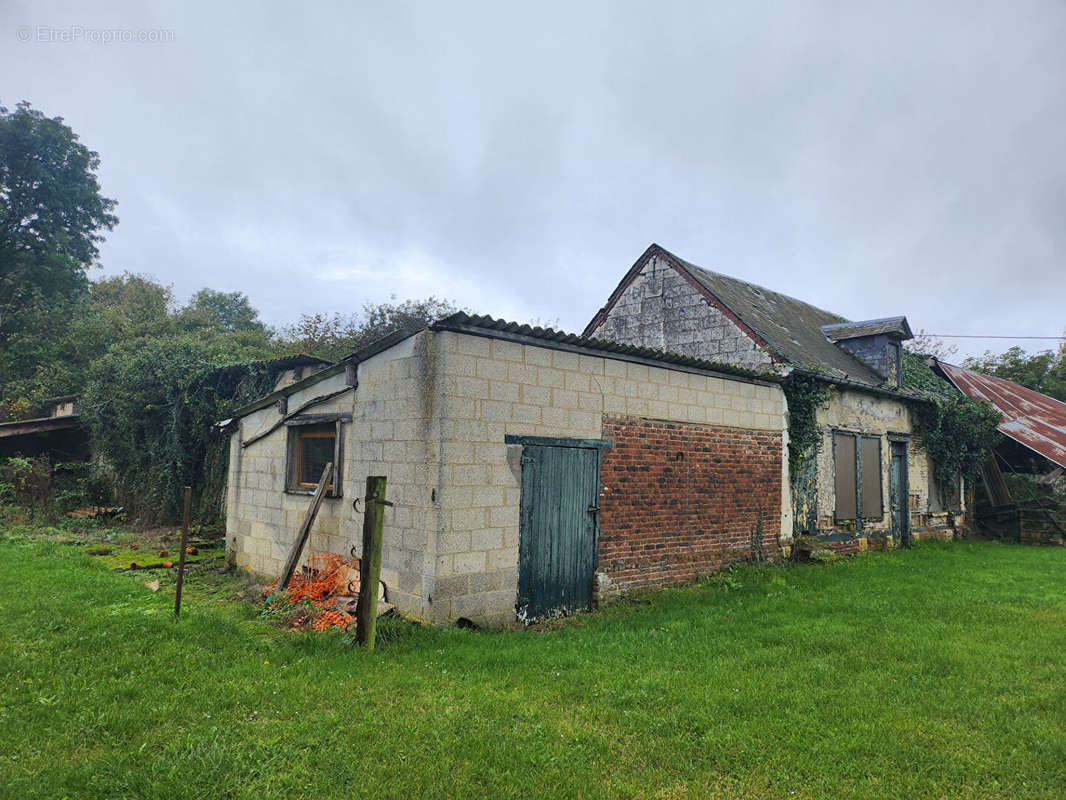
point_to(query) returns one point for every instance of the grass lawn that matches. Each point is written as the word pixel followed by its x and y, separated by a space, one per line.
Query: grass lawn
pixel 936 672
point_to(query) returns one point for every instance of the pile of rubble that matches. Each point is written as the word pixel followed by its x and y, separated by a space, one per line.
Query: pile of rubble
pixel 330 586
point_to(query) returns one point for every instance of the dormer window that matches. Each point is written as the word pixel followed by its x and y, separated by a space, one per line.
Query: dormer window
pixel 877 343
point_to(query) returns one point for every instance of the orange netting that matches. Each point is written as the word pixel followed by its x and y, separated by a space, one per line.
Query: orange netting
pixel 326 577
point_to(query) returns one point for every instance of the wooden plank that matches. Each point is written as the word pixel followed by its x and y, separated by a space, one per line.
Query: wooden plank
pixel 313 401
pixel 555 441
pixel 366 615
pixel 184 543
pixel 305 528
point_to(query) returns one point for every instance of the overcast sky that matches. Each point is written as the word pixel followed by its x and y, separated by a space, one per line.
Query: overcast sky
pixel 903 158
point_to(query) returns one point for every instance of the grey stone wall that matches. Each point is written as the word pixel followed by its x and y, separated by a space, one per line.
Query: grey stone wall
pixel 661 309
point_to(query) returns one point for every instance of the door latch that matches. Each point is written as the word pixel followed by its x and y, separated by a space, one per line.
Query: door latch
pixel 594 509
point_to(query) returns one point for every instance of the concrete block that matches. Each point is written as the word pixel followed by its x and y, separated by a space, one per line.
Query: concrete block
pixel 508 391
pixel 474 346
pixel 502 558
pixel 466 563
pixel 488 496
pixel 495 411
pixel 535 395
pixel 448 586
pixel 564 361
pixel 537 356
pixel 529 415
pixel 453 542
pixel 487 539
pixel 492 369
pixel 469 519
pixel 551 378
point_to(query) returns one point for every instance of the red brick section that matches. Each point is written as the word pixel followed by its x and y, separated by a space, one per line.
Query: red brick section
pixel 682 500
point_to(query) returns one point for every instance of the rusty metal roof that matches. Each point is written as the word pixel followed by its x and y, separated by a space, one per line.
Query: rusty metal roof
pixel 1030 418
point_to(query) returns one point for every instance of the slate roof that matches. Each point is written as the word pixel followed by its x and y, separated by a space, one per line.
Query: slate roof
pixel 789 328
pixel 896 326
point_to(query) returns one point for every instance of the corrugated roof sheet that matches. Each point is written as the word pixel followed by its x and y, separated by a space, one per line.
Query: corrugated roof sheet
pixel 489 326
pixel 1030 418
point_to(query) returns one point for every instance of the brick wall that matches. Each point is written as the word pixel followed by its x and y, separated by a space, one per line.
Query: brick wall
pixel 681 500
pixel 492 388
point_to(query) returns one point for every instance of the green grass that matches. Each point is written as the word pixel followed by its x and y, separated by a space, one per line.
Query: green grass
pixel 937 672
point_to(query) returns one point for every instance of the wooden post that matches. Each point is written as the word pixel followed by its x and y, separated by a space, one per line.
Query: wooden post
pixel 305 528
pixel 184 543
pixel 366 613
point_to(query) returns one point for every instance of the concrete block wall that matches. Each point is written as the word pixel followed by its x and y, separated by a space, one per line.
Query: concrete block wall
pixel 389 435
pixel 492 388
pixel 262 519
pixel 662 310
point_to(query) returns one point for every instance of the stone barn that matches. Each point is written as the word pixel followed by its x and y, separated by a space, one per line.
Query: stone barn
pixel 867 482
pixel 533 472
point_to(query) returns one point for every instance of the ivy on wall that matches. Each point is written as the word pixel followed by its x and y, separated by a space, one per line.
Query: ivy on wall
pixel 955 431
pixel 805 394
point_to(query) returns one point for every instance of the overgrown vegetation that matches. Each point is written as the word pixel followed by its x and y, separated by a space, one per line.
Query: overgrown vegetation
pixel 805 394
pixel 956 432
pixel 153 375
pixel 35 490
pixel 335 336
pixel 1044 372
pixel 768 682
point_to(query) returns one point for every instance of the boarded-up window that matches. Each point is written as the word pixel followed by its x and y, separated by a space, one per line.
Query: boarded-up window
pixel 872 506
pixel 844 462
pixel 845 446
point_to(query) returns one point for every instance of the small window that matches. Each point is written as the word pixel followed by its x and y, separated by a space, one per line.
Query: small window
pixel 850 451
pixel 311 447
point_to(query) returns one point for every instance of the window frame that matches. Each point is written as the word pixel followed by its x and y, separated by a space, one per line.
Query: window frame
pixel 860 518
pixel 314 426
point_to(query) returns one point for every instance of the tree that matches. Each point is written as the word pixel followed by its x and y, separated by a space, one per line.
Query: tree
pixel 52 216
pixel 150 403
pixel 230 311
pixel 337 336
pixel 928 345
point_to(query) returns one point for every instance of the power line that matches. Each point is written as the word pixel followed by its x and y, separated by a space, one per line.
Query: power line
pixel 975 336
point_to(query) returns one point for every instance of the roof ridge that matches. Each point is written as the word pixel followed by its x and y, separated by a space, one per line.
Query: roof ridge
pixel 690 265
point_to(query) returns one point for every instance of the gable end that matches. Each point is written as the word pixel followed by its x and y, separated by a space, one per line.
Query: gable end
pixel 659 304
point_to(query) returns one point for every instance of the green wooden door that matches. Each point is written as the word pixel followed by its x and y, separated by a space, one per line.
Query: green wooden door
pixel 557 530
pixel 899 494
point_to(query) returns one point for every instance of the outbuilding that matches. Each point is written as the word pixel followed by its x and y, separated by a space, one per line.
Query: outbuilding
pixel 532 472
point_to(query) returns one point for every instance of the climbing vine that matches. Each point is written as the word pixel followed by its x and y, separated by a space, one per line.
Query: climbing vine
pixel 805 394
pixel 151 408
pixel 955 431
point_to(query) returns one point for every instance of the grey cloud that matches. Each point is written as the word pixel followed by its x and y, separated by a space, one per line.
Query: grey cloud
pixel 870 159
